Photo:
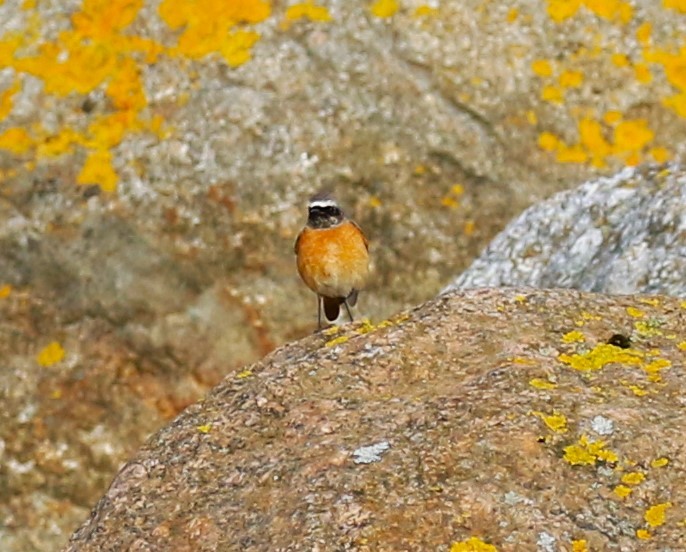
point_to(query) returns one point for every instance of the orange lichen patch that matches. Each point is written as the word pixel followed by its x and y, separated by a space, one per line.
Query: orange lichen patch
pixel 602 355
pixel 655 515
pixel 633 478
pixel 50 354
pixel 556 422
pixel 622 491
pixel 5 291
pixel 207 24
pixel 384 8
pixel 307 10
pixel 539 383
pixel 659 462
pixel 574 336
pixel 469 227
pixel 585 452
pixel 472 544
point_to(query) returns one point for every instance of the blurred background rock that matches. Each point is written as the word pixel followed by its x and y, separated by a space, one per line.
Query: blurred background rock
pixel 156 157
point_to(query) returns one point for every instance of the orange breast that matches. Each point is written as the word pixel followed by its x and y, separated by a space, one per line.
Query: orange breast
pixel 333 261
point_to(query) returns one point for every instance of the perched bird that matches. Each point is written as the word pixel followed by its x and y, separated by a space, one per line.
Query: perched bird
pixel 332 256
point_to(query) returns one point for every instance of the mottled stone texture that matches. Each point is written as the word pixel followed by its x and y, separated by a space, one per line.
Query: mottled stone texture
pixel 427 126
pixel 496 428
pixel 623 234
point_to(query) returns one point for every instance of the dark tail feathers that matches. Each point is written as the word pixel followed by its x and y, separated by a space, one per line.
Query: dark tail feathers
pixel 332 305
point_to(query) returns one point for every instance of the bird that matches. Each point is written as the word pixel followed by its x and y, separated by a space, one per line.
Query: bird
pixel 332 256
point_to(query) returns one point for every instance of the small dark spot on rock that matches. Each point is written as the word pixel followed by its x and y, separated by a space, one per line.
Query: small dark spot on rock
pixel 619 340
pixel 91 191
pixel 88 105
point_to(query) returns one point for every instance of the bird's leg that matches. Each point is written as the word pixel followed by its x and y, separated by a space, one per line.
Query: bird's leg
pixel 319 312
pixel 347 308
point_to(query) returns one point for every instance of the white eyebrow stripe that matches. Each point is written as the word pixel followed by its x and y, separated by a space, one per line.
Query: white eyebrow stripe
pixel 323 203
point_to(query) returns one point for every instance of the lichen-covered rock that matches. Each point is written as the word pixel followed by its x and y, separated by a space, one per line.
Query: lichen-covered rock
pixel 623 234
pixel 155 160
pixel 501 416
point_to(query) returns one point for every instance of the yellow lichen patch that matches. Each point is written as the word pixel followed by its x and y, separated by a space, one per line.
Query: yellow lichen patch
pixel 6 97
pixel 622 491
pixel 654 367
pixel 552 94
pixel 472 544
pixel 559 10
pixel 682 346
pixel 644 33
pixel 384 8
pixel 244 374
pixel 586 452
pixel 333 330
pixel 579 546
pixel 425 11
pixel 547 141
pixel 375 202
pixel 50 354
pixel 678 5
pixel 637 390
pixel 16 140
pixel 648 328
pixel 205 428
pixel 659 462
pixel 98 170
pixel 337 341
pixel 539 383
pixel 602 355
pixel 5 291
pixel 556 422
pixel 307 10
pixel 633 478
pixel 542 68
pixel 634 312
pixel 365 327
pixel 643 534
pixel 571 79
pixel 655 515
pixel 574 336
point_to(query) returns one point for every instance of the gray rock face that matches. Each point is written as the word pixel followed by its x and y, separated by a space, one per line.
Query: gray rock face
pixel 498 415
pixel 625 234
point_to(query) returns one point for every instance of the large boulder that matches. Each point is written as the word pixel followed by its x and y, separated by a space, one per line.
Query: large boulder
pixel 155 160
pixel 501 417
pixel 622 234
